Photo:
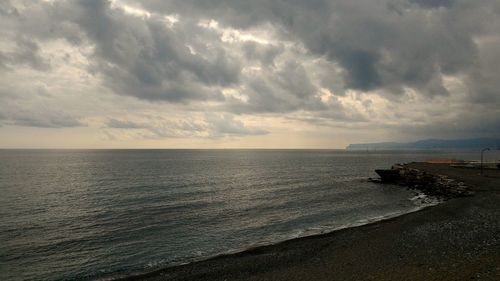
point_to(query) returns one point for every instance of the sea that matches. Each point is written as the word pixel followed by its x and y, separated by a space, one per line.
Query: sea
pixel 104 214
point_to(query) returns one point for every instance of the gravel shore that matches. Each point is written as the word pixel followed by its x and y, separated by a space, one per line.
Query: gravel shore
pixel 456 240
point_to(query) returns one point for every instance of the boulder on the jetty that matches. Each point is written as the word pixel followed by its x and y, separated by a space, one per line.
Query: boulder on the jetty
pixel 436 185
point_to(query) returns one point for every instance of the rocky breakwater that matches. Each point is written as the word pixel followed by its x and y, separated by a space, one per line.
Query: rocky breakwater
pixel 435 185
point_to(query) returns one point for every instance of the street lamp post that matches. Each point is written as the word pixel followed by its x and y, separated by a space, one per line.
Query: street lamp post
pixel 482 151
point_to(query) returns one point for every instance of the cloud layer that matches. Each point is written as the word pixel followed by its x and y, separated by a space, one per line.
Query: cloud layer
pixel 408 67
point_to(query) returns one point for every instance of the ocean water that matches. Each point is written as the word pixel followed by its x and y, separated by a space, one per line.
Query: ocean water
pixel 99 214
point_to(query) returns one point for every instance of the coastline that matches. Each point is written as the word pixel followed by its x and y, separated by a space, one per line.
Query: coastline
pixel 456 240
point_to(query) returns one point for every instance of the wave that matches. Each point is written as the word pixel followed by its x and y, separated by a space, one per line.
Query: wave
pixel 420 200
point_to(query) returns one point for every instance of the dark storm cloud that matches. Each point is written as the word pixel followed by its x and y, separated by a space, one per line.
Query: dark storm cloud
pixel 286 89
pixel 471 123
pixel 142 57
pixel 381 46
pixel 387 45
pixel 483 78
pixel 136 56
pixel 384 46
pixel 382 49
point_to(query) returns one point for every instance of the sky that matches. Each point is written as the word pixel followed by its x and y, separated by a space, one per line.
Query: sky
pixel 246 74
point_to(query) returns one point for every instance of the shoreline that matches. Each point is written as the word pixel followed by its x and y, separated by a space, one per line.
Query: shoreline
pixel 264 247
pixel 367 245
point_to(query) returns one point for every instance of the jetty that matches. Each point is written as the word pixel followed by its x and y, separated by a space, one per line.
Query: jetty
pixel 431 184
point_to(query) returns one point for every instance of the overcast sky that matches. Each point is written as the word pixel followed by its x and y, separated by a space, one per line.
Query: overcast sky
pixel 239 73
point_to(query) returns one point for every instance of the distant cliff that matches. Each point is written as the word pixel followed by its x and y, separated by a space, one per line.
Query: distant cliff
pixel 476 143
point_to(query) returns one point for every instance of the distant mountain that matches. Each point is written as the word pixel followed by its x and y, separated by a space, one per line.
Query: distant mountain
pixel 477 143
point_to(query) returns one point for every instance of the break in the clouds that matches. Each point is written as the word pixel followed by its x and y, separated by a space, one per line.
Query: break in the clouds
pixel 248 73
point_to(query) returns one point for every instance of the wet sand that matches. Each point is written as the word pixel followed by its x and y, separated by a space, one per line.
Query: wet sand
pixel 456 240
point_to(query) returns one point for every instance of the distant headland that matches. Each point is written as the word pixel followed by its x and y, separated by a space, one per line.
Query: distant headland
pixel 476 143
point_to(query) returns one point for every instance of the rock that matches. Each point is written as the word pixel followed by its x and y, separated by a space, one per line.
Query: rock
pixel 437 185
